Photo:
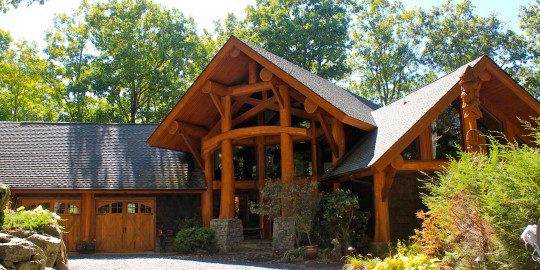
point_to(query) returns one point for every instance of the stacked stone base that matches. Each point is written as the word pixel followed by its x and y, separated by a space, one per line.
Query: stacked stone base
pixel 229 233
pixel 283 236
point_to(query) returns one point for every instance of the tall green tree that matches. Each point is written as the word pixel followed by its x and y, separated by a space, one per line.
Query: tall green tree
pixel 384 51
pixel 6 5
pixel 455 34
pixel 530 24
pixel 148 56
pixel 70 60
pixel 25 88
pixel 310 33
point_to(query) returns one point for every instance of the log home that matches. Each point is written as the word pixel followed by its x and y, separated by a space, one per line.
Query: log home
pixel 253 117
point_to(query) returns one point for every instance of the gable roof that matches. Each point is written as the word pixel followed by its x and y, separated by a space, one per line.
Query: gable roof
pixel 227 70
pixel 90 156
pixel 352 105
pixel 395 120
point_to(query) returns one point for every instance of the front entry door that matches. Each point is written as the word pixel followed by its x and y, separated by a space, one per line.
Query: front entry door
pixel 125 225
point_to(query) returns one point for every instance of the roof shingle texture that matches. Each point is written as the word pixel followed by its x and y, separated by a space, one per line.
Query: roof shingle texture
pixel 393 121
pixel 350 104
pixel 90 156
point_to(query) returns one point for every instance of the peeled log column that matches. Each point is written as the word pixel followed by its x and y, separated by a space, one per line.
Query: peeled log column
pixel 287 154
pixel 382 218
pixel 207 202
pixel 87 214
pixel 338 132
pixel 227 209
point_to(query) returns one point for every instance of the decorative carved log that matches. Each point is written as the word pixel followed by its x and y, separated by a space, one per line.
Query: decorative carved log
pixel 471 83
pixel 235 53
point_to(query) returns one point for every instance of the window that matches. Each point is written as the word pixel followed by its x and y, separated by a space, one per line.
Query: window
pixel 244 162
pixel 446 132
pixel 132 207
pixel 116 208
pixel 73 209
pixel 59 208
pixel 273 162
pixel 302 159
pixel 103 209
pixel 145 209
pixel 412 152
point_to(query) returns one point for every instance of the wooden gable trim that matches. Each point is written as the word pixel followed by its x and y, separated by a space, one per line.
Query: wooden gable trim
pixel 304 90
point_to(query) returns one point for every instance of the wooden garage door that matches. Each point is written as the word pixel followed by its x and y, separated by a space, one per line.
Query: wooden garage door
pixel 125 225
pixel 68 210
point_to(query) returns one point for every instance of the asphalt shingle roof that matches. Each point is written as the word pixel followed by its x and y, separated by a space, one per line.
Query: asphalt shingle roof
pixel 350 104
pixel 91 156
pixel 393 121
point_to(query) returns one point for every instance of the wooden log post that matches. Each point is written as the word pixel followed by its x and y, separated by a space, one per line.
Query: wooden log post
pixel 470 84
pixel 87 211
pixel 227 207
pixel 314 152
pixel 338 132
pixel 287 154
pixel 207 200
pixel 382 216
pixel 426 145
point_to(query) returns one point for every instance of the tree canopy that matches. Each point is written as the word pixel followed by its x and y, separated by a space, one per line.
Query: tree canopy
pixel 131 61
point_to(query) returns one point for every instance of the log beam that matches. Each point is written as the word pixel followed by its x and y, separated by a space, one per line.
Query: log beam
pixel 217 104
pixel 423 165
pixel 211 87
pixel 425 145
pixel 193 149
pixel 207 197
pixel 287 154
pixel 382 216
pixel 254 111
pixel 328 134
pixel 227 207
pixel 187 128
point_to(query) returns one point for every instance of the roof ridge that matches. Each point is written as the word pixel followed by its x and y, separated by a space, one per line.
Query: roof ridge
pixel 78 123
pixel 436 80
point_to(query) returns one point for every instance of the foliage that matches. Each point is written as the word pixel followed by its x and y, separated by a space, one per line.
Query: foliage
pixel 384 51
pixel 25 88
pixel 397 262
pixel 293 255
pixel 298 199
pixel 6 5
pixel 455 35
pixel 479 206
pixel 5 193
pixel 530 24
pixel 339 217
pixel 190 240
pixel 310 33
pixel 193 221
pixel 29 219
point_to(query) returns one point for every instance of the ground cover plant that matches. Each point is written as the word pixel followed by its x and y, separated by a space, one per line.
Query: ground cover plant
pixel 191 240
pixel 23 219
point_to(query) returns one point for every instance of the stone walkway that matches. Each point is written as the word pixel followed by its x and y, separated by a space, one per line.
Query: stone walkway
pixel 157 262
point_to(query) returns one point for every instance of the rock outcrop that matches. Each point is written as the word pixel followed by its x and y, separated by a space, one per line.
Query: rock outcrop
pixel 29 250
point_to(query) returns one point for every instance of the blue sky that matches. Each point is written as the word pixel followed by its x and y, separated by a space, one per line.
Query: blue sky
pixel 30 23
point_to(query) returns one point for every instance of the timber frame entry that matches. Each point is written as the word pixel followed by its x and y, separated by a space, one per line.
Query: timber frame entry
pixel 226 105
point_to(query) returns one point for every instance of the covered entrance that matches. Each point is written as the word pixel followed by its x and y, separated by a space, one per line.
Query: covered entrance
pixel 125 224
pixel 68 210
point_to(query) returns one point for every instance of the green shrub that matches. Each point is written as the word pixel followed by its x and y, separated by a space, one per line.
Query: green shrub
pixel 188 222
pixel 339 217
pixel 397 262
pixel 190 240
pixel 479 206
pixel 5 194
pixel 29 219
pixel 294 255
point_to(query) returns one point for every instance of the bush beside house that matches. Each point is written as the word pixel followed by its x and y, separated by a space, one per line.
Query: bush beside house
pixel 30 239
pixel 195 240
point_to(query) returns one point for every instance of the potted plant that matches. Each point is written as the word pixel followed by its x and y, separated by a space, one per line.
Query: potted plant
pixel 86 247
pixel 306 207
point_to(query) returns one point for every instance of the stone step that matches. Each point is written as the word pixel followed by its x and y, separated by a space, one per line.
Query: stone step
pixel 255 245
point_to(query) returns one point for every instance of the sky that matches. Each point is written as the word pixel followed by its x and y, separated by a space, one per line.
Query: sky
pixel 30 23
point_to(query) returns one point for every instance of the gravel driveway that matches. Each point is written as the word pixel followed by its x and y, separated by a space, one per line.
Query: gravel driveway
pixel 155 262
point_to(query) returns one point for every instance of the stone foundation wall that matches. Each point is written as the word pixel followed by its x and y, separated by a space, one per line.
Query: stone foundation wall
pixel 404 202
pixel 229 233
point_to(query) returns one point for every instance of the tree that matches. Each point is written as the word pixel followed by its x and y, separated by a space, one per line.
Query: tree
pixel 384 51
pixel 455 35
pixel 6 5
pixel 148 56
pixel 70 59
pixel 530 23
pixel 25 89
pixel 310 33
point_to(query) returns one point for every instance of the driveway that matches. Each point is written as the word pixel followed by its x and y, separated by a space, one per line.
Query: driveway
pixel 158 262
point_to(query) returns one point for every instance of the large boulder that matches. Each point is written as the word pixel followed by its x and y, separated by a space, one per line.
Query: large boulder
pixel 50 246
pixel 53 230
pixel 284 234
pixel 61 262
pixel 17 253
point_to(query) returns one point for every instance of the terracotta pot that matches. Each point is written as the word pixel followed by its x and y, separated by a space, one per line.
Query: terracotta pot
pixel 312 252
